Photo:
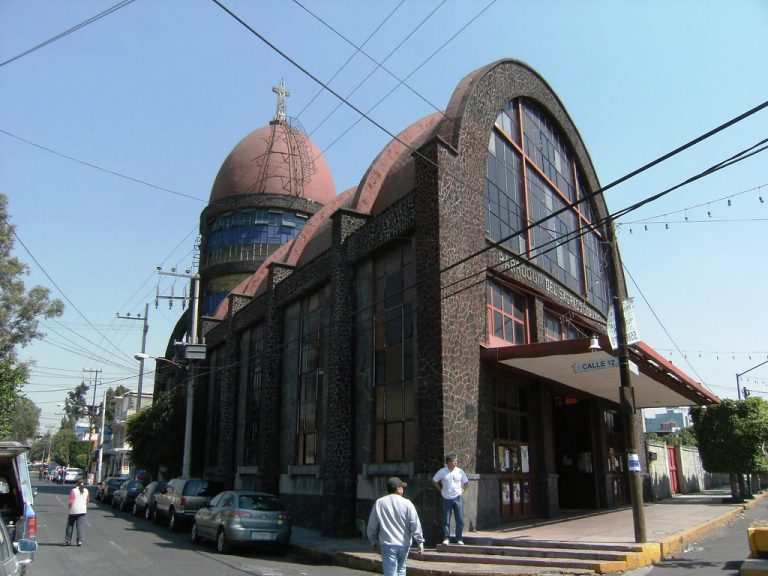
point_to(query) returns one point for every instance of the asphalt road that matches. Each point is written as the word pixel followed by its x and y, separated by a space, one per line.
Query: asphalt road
pixel 118 544
pixel 720 553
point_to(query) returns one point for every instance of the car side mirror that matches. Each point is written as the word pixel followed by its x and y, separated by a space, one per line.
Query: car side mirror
pixel 26 546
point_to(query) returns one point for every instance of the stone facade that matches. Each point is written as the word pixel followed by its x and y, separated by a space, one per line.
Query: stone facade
pixel 430 198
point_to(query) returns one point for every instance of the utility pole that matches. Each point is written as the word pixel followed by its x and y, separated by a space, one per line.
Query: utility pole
pixel 143 348
pixel 627 392
pixel 101 438
pixel 188 346
pixel 91 413
pixel 738 382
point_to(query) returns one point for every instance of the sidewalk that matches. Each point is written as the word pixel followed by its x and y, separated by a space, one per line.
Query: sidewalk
pixel 671 524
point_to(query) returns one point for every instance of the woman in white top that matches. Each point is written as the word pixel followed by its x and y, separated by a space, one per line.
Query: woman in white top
pixel 78 506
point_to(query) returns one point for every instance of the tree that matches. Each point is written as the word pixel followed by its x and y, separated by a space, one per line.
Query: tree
pixel 11 379
pixel 60 444
pixel 24 420
pixel 156 433
pixel 20 314
pixel 732 438
pixel 20 311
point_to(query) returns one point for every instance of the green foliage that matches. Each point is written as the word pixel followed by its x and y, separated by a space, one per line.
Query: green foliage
pixel 11 379
pixel 79 454
pixel 732 435
pixel 24 420
pixel 60 445
pixel 20 311
pixel 156 433
pixel 20 314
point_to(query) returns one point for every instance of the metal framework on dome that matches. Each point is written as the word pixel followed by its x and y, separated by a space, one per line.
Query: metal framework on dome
pixel 296 166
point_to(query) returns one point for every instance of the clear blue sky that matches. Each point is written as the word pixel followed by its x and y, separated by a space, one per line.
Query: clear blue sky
pixel 160 92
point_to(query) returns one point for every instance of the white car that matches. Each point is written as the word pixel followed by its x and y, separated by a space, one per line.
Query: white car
pixel 73 475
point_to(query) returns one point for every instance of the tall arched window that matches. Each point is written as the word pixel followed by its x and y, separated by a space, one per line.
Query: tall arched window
pixel 531 173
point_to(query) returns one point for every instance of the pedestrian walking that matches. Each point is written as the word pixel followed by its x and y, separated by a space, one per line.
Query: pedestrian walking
pixel 452 482
pixel 393 524
pixel 79 498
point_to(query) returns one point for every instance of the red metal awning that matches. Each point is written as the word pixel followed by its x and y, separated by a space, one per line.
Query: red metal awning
pixel 657 382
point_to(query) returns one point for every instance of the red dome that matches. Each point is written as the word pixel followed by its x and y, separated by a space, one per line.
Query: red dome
pixel 275 159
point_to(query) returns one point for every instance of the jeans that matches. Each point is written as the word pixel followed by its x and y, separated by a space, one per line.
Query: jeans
pixel 75 520
pixel 393 560
pixel 456 506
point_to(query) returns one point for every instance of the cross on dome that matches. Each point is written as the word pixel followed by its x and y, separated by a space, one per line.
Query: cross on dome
pixel 281 95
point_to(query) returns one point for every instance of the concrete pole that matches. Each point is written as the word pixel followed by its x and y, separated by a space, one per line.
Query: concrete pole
pixel 187 461
pixel 143 351
pixel 101 438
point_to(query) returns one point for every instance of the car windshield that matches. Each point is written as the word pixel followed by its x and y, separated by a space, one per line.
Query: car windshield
pixel 115 481
pixel 135 485
pixel 258 502
pixel 195 487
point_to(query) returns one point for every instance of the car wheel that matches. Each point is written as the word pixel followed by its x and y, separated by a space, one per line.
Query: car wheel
pixel 155 515
pixel 172 522
pixel 122 505
pixel 195 537
pixel 222 544
pixel 135 510
pixel 113 503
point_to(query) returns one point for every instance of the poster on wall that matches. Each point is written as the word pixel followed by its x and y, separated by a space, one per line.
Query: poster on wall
pixel 505 494
pixel 514 460
pixel 516 492
pixel 525 466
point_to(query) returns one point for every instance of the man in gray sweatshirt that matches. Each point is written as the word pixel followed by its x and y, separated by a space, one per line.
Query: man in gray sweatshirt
pixel 391 527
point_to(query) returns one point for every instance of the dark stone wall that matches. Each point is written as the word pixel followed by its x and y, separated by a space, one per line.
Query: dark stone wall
pixel 444 218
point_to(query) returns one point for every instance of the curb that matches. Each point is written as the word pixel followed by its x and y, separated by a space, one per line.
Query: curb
pixel 679 542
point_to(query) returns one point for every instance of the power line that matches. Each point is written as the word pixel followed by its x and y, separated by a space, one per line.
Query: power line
pixel 372 72
pixel 83 24
pixel 96 167
pixel 358 49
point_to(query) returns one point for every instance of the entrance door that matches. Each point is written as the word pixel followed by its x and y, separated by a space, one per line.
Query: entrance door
pixel 575 454
pixel 674 484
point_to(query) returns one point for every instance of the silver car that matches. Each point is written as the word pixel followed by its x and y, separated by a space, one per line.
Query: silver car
pixel 10 564
pixel 243 517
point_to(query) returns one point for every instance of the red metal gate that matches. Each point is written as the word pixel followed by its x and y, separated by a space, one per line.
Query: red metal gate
pixel 671 458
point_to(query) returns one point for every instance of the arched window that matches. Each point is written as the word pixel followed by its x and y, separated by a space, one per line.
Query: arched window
pixel 531 173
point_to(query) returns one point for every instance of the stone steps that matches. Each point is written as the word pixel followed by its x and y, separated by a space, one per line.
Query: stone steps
pixel 578 557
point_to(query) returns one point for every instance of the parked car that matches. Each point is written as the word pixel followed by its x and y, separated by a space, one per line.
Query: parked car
pixel 243 517
pixel 14 558
pixel 107 487
pixel 16 495
pixel 145 502
pixel 72 475
pixel 183 497
pixel 125 496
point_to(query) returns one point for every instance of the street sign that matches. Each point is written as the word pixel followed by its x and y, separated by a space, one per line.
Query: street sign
pixel 596 364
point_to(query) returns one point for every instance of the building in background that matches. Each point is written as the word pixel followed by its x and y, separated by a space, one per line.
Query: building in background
pixel 446 303
pixel 672 420
pixel 117 452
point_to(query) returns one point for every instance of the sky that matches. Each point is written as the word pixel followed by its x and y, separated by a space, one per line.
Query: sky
pixel 111 137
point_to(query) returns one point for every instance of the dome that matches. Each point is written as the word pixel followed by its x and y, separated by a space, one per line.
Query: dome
pixel 276 159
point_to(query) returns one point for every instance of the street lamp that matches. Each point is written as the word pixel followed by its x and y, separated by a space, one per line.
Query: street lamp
pixel 187 459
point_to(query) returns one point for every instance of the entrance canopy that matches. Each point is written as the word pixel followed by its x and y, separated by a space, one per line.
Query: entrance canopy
pixel 656 381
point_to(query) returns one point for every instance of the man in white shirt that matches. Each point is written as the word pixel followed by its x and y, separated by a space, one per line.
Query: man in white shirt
pixel 452 482
pixel 391 527
pixel 78 506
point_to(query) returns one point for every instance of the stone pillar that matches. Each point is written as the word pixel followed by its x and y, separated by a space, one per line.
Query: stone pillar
pixel 338 471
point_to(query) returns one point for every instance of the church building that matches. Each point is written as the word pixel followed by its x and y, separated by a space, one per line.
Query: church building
pixel 456 300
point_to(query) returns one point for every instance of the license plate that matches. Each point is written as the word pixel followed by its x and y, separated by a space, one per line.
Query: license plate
pixel 262 536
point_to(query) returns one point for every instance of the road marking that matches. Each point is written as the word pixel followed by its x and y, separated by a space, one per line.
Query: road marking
pixel 118 547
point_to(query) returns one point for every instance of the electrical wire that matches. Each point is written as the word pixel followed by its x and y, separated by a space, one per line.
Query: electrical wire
pixel 83 24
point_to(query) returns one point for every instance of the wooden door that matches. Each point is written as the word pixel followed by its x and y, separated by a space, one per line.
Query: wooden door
pixel 674 484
